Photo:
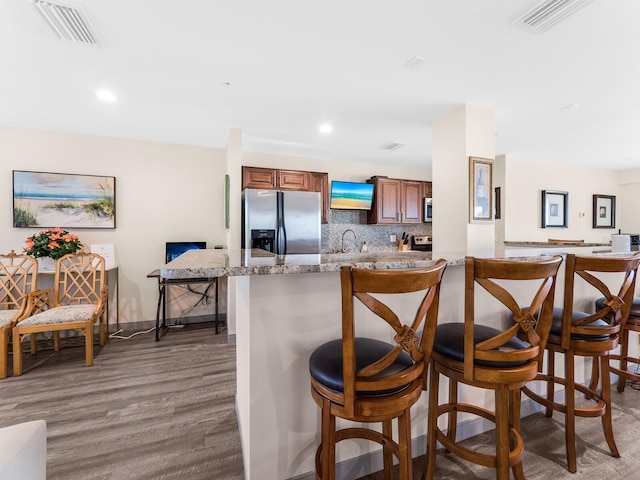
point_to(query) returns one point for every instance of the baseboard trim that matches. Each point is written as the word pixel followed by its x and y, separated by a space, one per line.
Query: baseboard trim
pixel 171 322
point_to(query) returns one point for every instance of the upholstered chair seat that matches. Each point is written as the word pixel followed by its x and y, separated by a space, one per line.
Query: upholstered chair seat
pixel 556 326
pixel 325 363
pixel 7 317
pixel 449 342
pixel 62 314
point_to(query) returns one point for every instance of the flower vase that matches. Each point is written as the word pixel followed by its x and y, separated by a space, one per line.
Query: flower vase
pixel 46 264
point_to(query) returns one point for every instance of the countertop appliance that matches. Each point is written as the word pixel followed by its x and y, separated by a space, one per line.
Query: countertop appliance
pixel 421 243
pixel 281 222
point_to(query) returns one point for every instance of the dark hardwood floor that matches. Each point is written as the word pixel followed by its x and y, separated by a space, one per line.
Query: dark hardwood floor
pixel 146 410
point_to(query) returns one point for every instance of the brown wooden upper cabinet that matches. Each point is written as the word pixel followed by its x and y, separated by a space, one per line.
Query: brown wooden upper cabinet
pixel 397 201
pixel 299 180
pixel 256 177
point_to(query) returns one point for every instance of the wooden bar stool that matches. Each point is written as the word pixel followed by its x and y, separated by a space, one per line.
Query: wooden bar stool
pixel 370 380
pixel 502 360
pixel 631 325
pixel 576 333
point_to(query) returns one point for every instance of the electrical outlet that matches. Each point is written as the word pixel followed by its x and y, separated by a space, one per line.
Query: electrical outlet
pixel 393 238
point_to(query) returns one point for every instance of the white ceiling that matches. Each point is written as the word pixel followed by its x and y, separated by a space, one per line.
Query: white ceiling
pixel 294 64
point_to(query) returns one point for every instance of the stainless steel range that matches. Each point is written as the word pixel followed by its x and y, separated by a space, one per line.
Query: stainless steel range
pixel 421 243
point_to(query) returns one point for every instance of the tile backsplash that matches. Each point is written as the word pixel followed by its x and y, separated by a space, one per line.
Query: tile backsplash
pixel 375 236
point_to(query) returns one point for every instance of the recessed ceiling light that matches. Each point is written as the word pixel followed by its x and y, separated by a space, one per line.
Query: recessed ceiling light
pixel 325 128
pixel 106 96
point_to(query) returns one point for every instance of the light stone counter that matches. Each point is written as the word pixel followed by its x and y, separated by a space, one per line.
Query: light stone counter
pixel 231 263
pixel 211 263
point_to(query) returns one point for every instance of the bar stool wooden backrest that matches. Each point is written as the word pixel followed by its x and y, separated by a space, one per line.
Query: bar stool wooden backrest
pixel 576 333
pixel 370 380
pixel 18 277
pixel 489 357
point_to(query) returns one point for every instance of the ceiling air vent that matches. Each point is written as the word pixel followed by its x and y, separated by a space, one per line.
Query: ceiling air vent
pixel 69 22
pixel 548 13
pixel 393 146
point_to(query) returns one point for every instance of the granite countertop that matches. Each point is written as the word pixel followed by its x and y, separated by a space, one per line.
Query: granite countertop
pixel 554 244
pixel 226 263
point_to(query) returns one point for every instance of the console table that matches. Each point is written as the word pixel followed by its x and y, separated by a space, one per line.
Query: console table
pixel 163 283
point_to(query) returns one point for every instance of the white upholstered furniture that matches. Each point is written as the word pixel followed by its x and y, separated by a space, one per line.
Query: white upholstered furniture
pixel 23 451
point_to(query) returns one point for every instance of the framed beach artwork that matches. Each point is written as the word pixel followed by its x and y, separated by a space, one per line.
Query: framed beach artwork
pixel 43 199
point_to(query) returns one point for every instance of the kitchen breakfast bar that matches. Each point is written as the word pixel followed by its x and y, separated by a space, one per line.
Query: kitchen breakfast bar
pixel 284 308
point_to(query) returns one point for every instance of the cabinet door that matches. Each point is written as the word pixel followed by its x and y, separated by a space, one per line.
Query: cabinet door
pixel 386 206
pixel 293 180
pixel 412 203
pixel 428 190
pixel 320 183
pixel 255 177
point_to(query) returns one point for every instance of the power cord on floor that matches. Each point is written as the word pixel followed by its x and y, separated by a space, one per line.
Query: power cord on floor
pixel 115 334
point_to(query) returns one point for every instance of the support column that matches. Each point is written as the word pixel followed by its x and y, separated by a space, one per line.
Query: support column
pixel 462 133
pixel 233 171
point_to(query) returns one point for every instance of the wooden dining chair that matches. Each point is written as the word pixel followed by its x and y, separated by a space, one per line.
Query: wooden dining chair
pixel 18 278
pixel 76 302
pixel 575 333
pixel 365 379
pixel 487 357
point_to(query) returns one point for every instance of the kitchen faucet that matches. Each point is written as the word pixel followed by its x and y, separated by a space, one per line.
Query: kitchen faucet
pixel 355 237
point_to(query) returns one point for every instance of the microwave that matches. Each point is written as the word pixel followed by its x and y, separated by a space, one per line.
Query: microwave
pixel 428 213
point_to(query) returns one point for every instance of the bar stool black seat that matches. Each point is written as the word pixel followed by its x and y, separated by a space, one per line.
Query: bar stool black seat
pixel 365 379
pixel 498 359
pixel 631 325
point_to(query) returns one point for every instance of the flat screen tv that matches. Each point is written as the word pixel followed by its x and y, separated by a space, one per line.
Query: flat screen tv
pixel 175 249
pixel 351 195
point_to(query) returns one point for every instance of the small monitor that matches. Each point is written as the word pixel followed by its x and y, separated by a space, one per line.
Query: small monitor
pixel 351 195
pixel 175 249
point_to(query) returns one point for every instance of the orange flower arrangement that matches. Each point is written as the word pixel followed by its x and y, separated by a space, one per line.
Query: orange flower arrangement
pixel 54 243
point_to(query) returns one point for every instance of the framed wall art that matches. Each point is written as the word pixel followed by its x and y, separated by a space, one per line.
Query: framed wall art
pixel 480 190
pixel 555 208
pixel 44 199
pixel 604 211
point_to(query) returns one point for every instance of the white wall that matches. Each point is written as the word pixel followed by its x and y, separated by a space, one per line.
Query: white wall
pixel 630 193
pixel 163 193
pixel 524 181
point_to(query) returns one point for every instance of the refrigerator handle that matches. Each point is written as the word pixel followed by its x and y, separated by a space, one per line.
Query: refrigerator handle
pixel 281 232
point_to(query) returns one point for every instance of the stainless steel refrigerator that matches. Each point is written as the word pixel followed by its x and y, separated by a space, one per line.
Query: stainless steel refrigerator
pixel 281 222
